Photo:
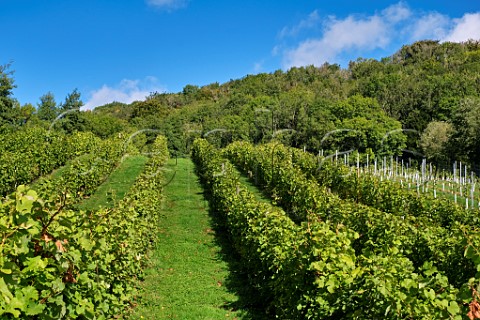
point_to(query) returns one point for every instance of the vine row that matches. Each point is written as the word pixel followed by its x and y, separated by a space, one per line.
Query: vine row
pixel 33 152
pixel 387 196
pixel 312 269
pixel 57 262
pixel 420 239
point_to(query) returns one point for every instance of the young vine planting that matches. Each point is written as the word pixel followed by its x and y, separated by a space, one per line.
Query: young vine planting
pixel 405 265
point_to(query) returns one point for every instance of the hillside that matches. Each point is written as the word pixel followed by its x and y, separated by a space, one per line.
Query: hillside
pixel 421 85
pixel 431 89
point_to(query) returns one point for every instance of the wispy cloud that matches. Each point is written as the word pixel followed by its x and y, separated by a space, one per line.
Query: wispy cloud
pixel 357 35
pixel 311 21
pixel 258 67
pixel 168 4
pixel 126 91
pixel 396 13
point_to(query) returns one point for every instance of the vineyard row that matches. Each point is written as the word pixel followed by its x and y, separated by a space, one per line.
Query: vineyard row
pixel 318 267
pixel 58 262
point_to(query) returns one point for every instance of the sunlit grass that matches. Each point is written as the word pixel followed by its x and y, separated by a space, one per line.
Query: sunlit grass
pixel 116 185
pixel 191 277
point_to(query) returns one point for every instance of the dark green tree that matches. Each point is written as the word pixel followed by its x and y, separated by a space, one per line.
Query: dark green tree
pixel 72 101
pixel 466 138
pixel 73 121
pixel 7 103
pixel 47 108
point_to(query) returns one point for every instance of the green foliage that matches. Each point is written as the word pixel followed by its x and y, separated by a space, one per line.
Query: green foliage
pixel 423 83
pixel 32 152
pixel 57 262
pixel 466 139
pixel 6 101
pixel 103 126
pixel 322 268
pixel 71 122
pixel 24 114
pixel 82 176
pixel 433 225
pixel 386 196
pixel 115 109
pixel 149 107
pixel 47 108
pixel 411 236
pixel 435 138
pixel 72 101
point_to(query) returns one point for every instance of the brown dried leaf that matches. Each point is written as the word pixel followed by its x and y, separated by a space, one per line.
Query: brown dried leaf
pixel 59 245
pixel 45 237
pixel 474 310
pixel 69 278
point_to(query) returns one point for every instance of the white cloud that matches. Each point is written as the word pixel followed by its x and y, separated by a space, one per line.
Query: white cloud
pixel 358 35
pixel 441 27
pixel 431 26
pixel 465 28
pixel 126 91
pixel 167 4
pixel 340 35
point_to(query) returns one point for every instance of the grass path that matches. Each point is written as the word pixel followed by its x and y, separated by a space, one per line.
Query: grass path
pixel 117 184
pixel 192 276
pixel 250 186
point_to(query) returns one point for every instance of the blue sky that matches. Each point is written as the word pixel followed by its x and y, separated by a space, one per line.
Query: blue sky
pixel 123 50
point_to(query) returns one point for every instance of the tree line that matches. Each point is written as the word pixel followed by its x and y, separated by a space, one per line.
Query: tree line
pixel 425 98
